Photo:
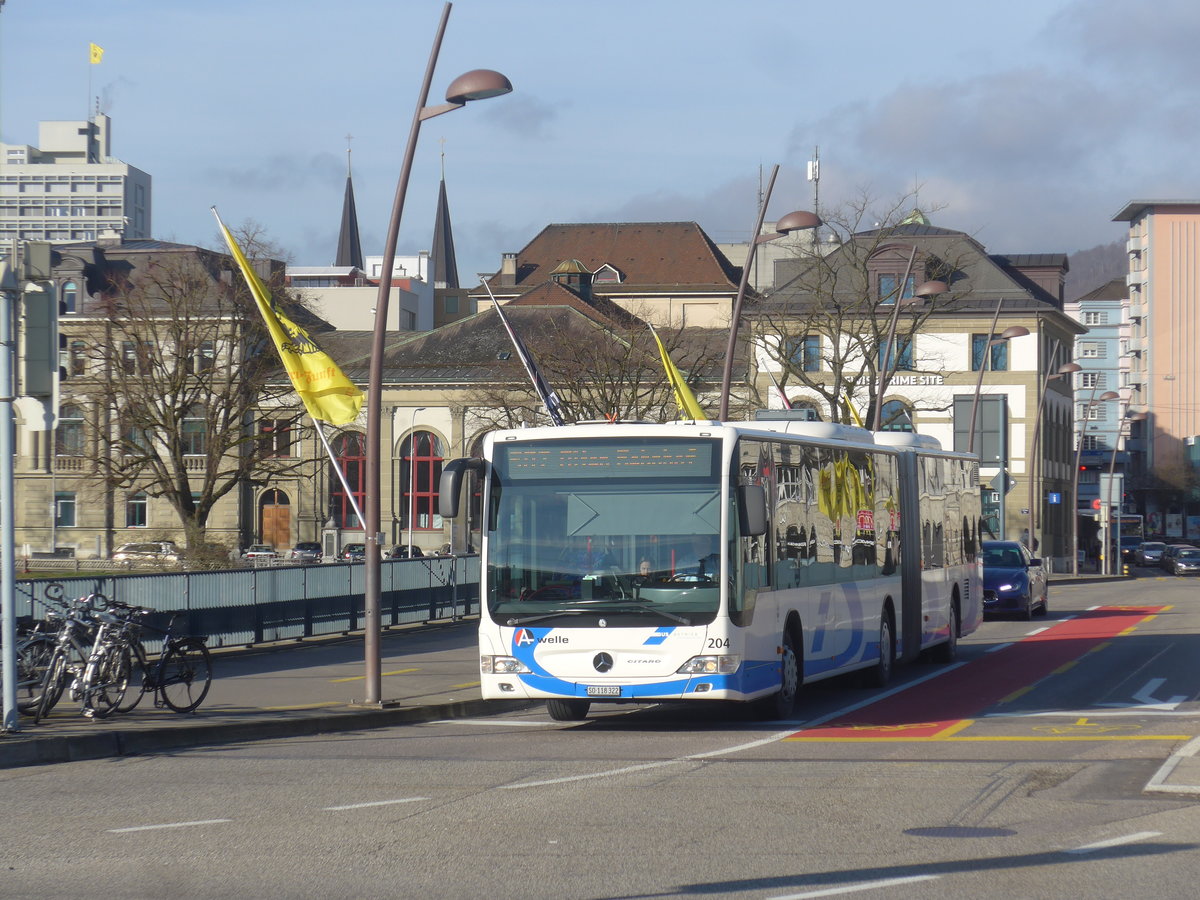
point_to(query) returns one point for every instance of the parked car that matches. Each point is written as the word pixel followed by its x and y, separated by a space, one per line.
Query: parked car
pixel 1149 553
pixel 401 552
pixel 148 552
pixel 307 552
pixel 1170 550
pixel 257 552
pixel 1014 581
pixel 1184 561
pixel 354 552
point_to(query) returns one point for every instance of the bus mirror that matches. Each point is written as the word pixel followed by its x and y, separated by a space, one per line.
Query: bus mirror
pixel 752 510
pixel 450 485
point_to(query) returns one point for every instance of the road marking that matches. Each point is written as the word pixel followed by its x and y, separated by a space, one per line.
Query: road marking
pixel 498 723
pixel 1158 783
pixel 303 706
pixel 168 825
pixel 1116 842
pixel 1145 697
pixel 861 886
pixel 373 803
pixel 465 685
pixel 363 677
pixel 998 647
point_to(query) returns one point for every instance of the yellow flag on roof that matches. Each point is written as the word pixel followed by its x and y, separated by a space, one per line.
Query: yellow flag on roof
pixel 327 394
pixel 96 53
pixel 683 394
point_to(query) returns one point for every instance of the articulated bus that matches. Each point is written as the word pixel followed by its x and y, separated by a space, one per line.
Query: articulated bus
pixel 644 563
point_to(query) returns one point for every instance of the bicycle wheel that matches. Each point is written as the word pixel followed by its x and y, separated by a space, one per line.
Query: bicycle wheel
pixel 112 678
pixel 184 674
pixel 53 684
pixel 33 658
pixel 137 678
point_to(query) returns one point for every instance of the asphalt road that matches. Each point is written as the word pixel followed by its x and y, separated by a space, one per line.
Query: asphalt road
pixel 1021 771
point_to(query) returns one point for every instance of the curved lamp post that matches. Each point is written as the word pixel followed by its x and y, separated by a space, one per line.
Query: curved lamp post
pixel 793 221
pixel 1064 371
pixel 928 289
pixel 1105 397
pixel 478 84
pixel 1127 419
pixel 1008 334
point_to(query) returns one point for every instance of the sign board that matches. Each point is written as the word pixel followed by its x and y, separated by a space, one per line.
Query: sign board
pixel 1003 482
pixel 1054 498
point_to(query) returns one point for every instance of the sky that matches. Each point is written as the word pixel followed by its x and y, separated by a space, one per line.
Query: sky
pixel 1027 124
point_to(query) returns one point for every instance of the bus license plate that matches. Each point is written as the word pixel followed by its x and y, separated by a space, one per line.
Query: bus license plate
pixel 604 690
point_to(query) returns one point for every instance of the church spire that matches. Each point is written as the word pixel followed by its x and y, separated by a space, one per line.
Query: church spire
pixel 445 266
pixel 349 249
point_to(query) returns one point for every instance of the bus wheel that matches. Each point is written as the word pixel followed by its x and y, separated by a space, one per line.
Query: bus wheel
pixel 947 652
pixel 880 674
pixel 568 710
pixel 780 704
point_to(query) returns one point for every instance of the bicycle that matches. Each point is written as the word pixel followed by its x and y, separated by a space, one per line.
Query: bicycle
pixel 179 678
pixel 34 649
pixel 70 661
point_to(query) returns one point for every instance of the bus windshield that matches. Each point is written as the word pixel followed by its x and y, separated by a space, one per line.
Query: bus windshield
pixel 624 530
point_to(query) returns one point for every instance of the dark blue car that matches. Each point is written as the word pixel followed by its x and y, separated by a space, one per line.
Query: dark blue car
pixel 1014 582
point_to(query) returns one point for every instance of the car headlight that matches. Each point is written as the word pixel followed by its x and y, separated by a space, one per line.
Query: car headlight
pixel 1008 586
pixel 710 665
pixel 502 665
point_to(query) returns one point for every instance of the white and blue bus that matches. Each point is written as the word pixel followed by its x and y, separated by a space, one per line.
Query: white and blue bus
pixel 639 563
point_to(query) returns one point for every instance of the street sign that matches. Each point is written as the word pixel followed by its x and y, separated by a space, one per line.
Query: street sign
pixel 1054 498
pixel 1003 482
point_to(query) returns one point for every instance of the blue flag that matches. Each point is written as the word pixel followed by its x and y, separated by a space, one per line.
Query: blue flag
pixel 549 398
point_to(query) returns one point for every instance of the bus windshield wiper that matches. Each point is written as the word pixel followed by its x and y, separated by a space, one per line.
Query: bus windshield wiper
pixel 528 620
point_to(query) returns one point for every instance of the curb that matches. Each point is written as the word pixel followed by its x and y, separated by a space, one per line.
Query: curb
pixel 77 747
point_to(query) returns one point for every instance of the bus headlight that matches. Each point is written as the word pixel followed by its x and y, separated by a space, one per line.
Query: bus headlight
pixel 502 665
pixel 710 665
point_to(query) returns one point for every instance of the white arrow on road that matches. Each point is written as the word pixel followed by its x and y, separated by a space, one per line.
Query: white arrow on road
pixel 1145 697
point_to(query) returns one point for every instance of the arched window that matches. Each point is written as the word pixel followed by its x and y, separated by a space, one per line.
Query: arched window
pixel 69 434
pixel 352 460
pixel 420 471
pixel 70 296
pixel 193 431
pixel 895 416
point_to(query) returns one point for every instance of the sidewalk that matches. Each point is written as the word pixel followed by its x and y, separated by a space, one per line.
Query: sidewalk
pixel 286 690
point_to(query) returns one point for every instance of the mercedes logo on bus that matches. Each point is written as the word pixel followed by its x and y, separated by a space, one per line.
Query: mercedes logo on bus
pixel 602 661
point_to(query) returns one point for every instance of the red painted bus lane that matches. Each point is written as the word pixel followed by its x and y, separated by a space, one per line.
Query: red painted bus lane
pixel 941 707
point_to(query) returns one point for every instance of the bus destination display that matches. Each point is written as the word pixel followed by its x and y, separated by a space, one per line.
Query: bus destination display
pixel 616 459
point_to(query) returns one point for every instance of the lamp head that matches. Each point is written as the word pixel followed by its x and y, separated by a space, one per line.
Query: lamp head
pixel 798 220
pixel 1069 368
pixel 478 84
pixel 1013 331
pixel 931 289
pixel 1109 395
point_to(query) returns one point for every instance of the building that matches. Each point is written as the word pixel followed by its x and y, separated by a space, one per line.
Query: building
pixel 1164 314
pixel 821 336
pixel 70 188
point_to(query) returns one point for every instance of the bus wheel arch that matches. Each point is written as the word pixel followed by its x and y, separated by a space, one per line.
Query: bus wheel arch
pixel 781 703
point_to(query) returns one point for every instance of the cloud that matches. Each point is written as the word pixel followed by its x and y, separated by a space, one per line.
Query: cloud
pixel 282 172
pixel 522 115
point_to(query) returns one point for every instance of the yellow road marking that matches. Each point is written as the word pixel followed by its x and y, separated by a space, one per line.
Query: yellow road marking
pixel 361 677
pixel 467 685
pixel 1065 666
pixel 1017 693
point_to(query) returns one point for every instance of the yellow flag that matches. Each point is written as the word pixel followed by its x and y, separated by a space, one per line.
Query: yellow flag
pixel 327 393
pixel 683 394
pixel 97 53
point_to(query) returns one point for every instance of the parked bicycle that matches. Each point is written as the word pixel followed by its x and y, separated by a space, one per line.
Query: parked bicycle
pixel 34 650
pixel 181 675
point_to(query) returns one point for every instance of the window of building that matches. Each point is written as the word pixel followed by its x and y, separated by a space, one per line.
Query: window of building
pixel 69 296
pixel 350 452
pixel 451 304
pixel 1092 379
pixel 1092 442
pixel 888 286
pixel 895 416
pixel 134 440
pixel 804 353
pixel 1095 318
pixel 64 509
pixel 205 358
pixel 194 432
pixel 275 437
pixel 1094 412
pixel 420 471
pixel 69 435
pixel 999 357
pixel 901 356
pixel 75 362
pixel 1092 350
pixel 135 510
pixel 136 357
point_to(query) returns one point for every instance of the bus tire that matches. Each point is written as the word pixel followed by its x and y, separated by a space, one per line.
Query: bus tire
pixel 568 710
pixel 880 674
pixel 780 704
pixel 947 651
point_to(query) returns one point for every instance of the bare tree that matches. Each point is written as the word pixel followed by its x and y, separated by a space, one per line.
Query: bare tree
pixel 187 388
pixel 825 324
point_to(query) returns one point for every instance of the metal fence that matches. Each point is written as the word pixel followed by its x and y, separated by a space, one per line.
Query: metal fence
pixel 253 606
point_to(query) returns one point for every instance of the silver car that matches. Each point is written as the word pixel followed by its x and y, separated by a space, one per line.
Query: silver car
pixel 1149 553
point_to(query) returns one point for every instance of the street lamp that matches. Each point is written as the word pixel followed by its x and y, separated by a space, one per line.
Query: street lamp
pixel 928 289
pixel 412 474
pixel 1112 555
pixel 793 221
pixel 478 84
pixel 1007 335
pixel 1106 396
pixel 1064 371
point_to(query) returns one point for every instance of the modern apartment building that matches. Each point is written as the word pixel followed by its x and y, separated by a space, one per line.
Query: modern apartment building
pixel 70 188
